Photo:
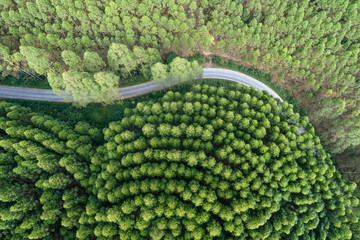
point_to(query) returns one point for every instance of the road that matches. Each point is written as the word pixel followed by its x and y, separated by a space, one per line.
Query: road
pixel 127 92
pixel 136 90
pixel 226 74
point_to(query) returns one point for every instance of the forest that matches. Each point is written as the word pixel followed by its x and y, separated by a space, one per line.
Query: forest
pixel 207 163
pixel 88 48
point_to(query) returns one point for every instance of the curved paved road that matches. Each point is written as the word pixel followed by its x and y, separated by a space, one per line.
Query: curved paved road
pixel 127 92
pixel 218 73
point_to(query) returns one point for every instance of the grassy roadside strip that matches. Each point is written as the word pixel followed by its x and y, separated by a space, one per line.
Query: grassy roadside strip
pixel 95 114
pixel 25 81
pixel 100 115
pixel 255 73
pixel 138 78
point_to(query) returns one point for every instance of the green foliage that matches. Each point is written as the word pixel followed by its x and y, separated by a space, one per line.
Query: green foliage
pixel 38 59
pixel 331 108
pixel 178 71
pixel 208 163
pixel 181 70
pixel 72 60
pixel 56 82
pixel 93 62
pixel 121 58
pixel 261 76
pixel 159 74
pixel 85 88
pixel 24 80
pixel 198 57
pixel 311 48
pixel 170 57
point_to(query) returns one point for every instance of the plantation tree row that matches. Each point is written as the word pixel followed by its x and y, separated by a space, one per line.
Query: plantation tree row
pixel 212 163
pixel 309 47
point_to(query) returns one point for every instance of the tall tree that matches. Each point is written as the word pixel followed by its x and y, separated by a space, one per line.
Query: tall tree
pixel 108 82
pixel 182 70
pixel 38 59
pixel 72 60
pixel 160 74
pixel 120 57
pixel 93 62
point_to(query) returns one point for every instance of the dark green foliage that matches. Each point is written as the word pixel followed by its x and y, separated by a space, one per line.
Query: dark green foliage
pixel 198 57
pixel 211 163
pixel 311 48
pixel 263 77
pixel 95 36
pixel 170 57
pixel 24 80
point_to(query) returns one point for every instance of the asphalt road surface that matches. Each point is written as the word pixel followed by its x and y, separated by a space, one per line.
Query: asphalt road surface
pixel 136 90
pixel 127 92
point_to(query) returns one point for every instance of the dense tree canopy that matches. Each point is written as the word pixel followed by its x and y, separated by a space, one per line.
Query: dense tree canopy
pixel 310 47
pixel 212 163
pixel 179 70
